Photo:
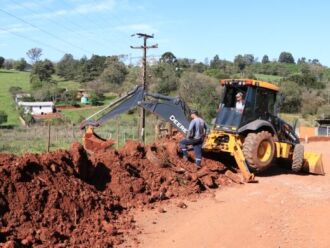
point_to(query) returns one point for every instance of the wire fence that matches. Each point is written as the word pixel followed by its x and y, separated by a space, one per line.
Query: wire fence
pixel 41 138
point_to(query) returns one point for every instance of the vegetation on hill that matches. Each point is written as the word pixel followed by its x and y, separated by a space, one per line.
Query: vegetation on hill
pixel 304 82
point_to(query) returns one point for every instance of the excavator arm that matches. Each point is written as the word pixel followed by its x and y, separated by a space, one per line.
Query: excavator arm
pixel 171 109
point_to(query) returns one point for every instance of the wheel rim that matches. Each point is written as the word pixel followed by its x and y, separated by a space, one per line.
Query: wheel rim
pixel 264 151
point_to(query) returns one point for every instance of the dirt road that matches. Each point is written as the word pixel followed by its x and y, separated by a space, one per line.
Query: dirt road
pixel 282 210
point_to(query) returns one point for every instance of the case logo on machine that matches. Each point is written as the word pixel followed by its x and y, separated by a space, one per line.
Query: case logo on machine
pixel 178 124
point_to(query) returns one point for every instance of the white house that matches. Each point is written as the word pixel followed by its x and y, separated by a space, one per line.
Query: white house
pixel 37 108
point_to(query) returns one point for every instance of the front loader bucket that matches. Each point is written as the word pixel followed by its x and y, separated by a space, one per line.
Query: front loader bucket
pixel 93 143
pixel 313 163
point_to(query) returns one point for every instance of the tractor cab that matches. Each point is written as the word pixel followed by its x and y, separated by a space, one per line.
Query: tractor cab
pixel 244 101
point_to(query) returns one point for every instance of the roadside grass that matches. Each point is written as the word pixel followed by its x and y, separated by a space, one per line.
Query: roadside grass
pixel 34 139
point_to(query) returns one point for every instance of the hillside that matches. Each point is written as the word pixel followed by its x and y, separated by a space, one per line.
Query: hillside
pixel 9 78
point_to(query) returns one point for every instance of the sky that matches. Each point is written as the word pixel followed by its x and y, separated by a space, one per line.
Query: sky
pixel 189 29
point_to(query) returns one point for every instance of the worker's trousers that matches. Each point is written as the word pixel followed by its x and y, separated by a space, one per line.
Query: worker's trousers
pixel 197 145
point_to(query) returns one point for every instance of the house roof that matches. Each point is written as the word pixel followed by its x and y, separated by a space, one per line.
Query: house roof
pixel 36 104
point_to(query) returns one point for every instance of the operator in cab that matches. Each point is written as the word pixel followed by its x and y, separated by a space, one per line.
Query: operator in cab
pixel 195 137
pixel 239 102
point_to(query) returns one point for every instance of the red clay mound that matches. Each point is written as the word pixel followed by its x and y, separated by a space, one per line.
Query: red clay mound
pixel 44 203
pixel 68 199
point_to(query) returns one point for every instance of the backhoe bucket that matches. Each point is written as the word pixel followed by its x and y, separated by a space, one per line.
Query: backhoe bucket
pixel 93 143
pixel 313 163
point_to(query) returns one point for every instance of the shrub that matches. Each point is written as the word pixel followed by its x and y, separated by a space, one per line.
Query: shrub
pixel 3 117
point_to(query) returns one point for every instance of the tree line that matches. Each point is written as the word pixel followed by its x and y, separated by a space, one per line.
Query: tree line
pixel 303 82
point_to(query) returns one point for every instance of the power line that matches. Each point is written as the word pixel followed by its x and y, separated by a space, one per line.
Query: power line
pixel 44 31
pixel 35 41
pixel 59 25
pixel 92 21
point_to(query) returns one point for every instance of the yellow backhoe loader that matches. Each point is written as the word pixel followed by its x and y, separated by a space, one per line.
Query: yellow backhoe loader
pixel 251 132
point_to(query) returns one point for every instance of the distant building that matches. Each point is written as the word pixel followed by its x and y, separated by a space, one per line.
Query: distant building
pixel 324 127
pixel 37 108
pixel 85 99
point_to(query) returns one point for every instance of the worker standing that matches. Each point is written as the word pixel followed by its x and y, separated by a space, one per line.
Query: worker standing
pixel 195 137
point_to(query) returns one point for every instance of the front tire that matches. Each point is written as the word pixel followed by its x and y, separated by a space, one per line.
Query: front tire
pixel 259 150
pixel 297 158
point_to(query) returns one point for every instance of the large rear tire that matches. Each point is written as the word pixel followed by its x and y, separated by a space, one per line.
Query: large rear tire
pixel 297 158
pixel 259 150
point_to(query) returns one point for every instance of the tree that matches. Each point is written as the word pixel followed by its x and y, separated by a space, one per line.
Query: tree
pixel 165 78
pixel 98 87
pixel 114 72
pixel 324 111
pixel 34 54
pixel 315 62
pixel 184 63
pixel 8 64
pixel 311 101
pixel 301 61
pixel 215 62
pixel 67 67
pixel 20 64
pixel 48 92
pixel 15 90
pixel 41 72
pixel 292 93
pixel 265 59
pixel 92 68
pixel 168 58
pixel 3 117
pixel 199 67
pixel 240 61
pixel 286 57
pixel 2 60
pixel 200 91
pixel 249 59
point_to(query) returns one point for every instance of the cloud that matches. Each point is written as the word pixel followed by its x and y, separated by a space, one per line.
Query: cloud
pixel 16 28
pixel 137 27
pixel 17 5
pixel 81 8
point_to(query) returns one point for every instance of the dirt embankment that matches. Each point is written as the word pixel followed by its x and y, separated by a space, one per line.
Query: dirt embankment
pixel 66 198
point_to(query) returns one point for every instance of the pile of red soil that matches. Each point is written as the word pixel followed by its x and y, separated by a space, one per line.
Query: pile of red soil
pixel 66 198
pixel 49 200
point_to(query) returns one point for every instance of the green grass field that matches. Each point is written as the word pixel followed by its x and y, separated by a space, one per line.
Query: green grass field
pixel 7 103
pixel 69 85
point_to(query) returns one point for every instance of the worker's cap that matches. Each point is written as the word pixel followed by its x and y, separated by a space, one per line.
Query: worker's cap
pixel 194 111
pixel 239 94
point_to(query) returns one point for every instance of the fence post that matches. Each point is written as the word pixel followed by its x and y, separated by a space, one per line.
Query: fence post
pixel 73 134
pixel 117 133
pixel 48 143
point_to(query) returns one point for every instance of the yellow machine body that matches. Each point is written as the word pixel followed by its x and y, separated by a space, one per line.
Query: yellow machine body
pixel 313 163
pixel 221 141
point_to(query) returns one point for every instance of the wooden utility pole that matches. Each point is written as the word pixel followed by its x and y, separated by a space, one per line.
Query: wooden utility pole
pixel 144 76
